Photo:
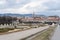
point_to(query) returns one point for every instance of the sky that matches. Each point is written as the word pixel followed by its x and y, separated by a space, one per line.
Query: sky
pixel 51 7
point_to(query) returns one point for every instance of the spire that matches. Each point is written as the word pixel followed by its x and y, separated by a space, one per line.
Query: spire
pixel 33 14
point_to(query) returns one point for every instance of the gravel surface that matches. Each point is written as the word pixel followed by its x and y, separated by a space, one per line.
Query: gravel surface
pixel 21 34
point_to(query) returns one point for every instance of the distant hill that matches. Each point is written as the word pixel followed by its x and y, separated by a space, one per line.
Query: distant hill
pixel 17 15
pixel 20 15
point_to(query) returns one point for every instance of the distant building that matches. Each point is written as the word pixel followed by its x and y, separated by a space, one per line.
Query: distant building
pixel 39 19
pixel 32 19
pixel 53 18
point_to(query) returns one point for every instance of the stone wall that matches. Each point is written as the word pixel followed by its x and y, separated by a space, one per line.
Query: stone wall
pixel 6 26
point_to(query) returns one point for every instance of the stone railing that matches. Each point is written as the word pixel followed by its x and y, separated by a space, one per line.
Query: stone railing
pixel 6 26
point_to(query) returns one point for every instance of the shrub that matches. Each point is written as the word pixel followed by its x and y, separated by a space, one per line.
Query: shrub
pixel 5 29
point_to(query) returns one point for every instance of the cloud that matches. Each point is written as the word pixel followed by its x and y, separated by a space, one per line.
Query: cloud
pixel 17 1
pixel 2 2
pixel 28 6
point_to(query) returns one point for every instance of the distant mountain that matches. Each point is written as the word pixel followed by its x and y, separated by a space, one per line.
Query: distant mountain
pixel 17 15
pixel 21 15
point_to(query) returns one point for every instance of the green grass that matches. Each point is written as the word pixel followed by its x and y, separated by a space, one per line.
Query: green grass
pixel 45 35
pixel 2 30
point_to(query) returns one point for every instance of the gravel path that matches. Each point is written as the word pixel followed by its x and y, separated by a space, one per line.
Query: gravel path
pixel 21 34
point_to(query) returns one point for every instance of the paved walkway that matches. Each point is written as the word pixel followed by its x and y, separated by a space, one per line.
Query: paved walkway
pixel 56 35
pixel 22 34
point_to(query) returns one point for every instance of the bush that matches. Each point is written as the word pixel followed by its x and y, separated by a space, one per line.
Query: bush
pixel 5 29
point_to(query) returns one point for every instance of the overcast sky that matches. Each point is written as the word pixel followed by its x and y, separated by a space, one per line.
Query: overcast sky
pixel 28 6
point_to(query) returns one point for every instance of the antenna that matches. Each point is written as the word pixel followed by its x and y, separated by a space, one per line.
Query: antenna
pixel 33 14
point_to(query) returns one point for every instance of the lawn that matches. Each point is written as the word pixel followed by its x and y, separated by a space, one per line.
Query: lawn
pixel 45 35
